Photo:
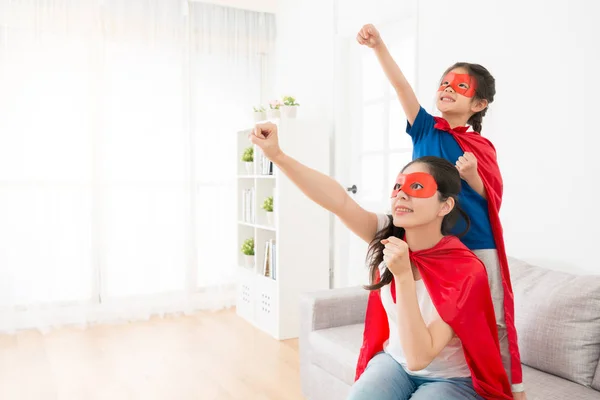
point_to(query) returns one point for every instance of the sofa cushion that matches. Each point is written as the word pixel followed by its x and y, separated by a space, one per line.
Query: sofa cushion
pixel 557 316
pixel 336 350
pixel 542 386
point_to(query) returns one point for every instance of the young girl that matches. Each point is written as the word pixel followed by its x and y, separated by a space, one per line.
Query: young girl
pixel 430 330
pixel 463 98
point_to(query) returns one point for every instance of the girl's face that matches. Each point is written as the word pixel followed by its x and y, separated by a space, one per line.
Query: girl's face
pixel 456 93
pixel 415 210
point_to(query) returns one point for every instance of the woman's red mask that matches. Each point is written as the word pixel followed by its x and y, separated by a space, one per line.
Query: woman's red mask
pixel 464 84
pixel 417 184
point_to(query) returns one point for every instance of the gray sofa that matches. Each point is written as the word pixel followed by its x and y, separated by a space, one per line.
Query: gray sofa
pixel 557 317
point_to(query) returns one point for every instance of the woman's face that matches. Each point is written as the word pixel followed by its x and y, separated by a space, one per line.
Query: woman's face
pixel 421 205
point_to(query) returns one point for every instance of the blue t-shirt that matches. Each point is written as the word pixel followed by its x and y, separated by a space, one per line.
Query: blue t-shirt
pixel 428 141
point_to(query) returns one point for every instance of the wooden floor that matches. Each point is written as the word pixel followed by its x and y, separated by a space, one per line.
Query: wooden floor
pixel 205 356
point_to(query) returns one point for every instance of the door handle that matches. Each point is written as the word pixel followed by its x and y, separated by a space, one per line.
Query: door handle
pixel 352 189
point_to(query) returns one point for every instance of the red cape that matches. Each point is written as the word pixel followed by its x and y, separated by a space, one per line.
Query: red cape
pixel 487 167
pixel 461 294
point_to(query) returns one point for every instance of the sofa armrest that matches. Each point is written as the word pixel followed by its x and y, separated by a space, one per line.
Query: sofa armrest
pixel 333 308
pixel 322 310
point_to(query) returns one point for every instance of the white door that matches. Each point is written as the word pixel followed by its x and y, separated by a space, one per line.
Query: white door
pixel 379 147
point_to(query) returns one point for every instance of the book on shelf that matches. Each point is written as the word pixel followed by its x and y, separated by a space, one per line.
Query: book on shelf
pixel 270 260
pixel 248 209
pixel 265 166
pixel 267 263
pixel 273 255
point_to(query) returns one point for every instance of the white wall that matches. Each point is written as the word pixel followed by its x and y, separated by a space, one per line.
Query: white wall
pixel 350 16
pixel 305 59
pixel 545 56
pixel 305 55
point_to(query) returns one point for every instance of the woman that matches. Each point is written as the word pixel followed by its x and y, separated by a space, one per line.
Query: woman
pixel 430 328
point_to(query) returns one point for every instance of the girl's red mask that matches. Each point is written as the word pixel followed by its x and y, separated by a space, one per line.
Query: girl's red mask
pixel 417 184
pixel 464 84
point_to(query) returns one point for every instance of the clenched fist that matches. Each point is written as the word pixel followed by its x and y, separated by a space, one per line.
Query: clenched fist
pixel 467 166
pixel 369 36
pixel 265 137
pixel 396 256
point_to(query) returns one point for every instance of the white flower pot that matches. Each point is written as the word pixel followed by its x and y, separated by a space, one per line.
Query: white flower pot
pixel 272 113
pixel 249 261
pixel 260 116
pixel 289 111
pixel 270 218
pixel 249 167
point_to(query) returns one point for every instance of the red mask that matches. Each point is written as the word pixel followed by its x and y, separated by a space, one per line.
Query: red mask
pixel 464 84
pixel 417 184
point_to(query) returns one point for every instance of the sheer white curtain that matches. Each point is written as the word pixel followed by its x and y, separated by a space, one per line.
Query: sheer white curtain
pixel 117 155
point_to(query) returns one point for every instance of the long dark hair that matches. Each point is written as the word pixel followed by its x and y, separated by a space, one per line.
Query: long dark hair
pixel 486 89
pixel 448 180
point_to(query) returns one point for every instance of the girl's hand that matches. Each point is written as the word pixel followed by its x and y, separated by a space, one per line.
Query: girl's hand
pixel 265 137
pixel 396 256
pixel 369 36
pixel 467 166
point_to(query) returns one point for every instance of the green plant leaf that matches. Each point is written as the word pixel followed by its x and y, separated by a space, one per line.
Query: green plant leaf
pixel 268 204
pixel 248 155
pixel 290 101
pixel 248 247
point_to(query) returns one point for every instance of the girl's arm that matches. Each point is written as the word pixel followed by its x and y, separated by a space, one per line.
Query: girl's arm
pixel 317 186
pixel 369 36
pixel 477 184
pixel 467 167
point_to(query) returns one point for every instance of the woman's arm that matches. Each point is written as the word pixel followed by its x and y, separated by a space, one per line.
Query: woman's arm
pixel 318 187
pixel 420 342
pixel 369 36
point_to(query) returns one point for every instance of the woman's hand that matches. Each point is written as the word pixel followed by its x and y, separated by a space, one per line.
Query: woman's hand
pixel 396 257
pixel 265 137
pixel 519 396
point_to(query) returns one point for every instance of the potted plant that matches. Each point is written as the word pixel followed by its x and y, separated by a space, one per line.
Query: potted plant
pixel 268 207
pixel 248 159
pixel 248 251
pixel 274 111
pixel 260 114
pixel 290 107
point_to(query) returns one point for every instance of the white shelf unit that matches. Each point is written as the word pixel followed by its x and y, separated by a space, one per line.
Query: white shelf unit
pixel 300 231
